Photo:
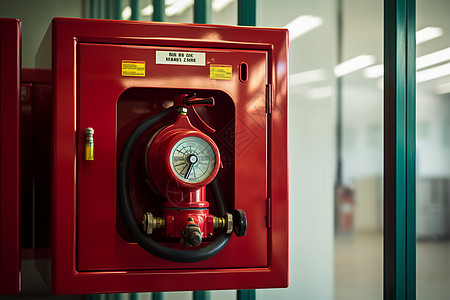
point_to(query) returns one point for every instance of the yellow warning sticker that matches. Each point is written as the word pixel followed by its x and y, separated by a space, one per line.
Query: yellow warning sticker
pixel 223 72
pixel 133 68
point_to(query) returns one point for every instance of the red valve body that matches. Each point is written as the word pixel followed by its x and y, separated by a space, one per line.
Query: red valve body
pixel 178 219
pixel 185 202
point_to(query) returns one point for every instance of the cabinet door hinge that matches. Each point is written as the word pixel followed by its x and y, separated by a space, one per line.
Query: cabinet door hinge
pixel 268 98
pixel 268 212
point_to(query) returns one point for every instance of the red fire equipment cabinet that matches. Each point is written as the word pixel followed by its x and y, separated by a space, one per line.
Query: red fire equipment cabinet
pixel 10 64
pixel 168 157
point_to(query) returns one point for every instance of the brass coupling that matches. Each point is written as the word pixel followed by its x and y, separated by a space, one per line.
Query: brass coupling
pixel 224 223
pixel 219 223
pixel 181 110
pixel 149 223
pixel 89 144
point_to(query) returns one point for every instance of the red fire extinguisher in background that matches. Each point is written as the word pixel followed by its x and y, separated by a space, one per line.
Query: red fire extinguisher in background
pixel 177 162
pixel 346 207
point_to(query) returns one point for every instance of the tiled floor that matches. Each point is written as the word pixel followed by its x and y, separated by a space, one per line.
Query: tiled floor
pixel 433 270
pixel 358 268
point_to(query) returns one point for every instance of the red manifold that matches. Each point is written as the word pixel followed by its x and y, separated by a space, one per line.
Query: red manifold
pixel 178 220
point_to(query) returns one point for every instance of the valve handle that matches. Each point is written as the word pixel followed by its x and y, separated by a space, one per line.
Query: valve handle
pixel 239 222
pixel 192 101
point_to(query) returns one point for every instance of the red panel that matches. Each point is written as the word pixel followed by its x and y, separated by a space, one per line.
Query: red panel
pixel 10 39
pixel 89 252
pixel 100 78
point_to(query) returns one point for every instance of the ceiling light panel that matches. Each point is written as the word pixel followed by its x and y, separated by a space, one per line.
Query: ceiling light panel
pixel 428 33
pixel 147 11
pixel 320 93
pixel 218 5
pixel 433 73
pixel 443 88
pixel 301 25
pixel 354 64
pixel 177 7
pixel 433 58
pixel 373 71
pixel 307 77
pixel 126 13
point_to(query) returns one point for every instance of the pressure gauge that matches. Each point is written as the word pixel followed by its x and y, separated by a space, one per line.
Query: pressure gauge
pixel 180 158
pixel 192 159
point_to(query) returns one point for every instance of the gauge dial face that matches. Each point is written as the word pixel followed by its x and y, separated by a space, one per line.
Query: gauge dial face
pixel 192 159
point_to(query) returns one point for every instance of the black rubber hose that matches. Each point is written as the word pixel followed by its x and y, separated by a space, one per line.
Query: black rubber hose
pixel 126 208
pixel 217 194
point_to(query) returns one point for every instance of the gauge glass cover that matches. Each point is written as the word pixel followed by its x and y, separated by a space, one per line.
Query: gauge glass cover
pixel 192 159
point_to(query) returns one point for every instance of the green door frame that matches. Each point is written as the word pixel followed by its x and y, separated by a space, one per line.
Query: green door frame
pixel 159 11
pixel 247 12
pixel 399 274
pixel 135 10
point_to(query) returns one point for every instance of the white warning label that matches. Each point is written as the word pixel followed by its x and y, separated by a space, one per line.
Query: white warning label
pixel 181 58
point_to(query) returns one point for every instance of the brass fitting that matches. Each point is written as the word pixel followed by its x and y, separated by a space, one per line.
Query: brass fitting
pixel 149 223
pixel 219 223
pixel 224 223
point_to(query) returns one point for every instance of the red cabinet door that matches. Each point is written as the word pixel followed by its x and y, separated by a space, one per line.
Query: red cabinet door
pixel 114 104
pixel 10 39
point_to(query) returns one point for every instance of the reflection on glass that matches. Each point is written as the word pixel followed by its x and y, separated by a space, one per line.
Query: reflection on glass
pixel 312 125
pixel 224 12
pixel 181 11
pixel 358 194
pixel 433 150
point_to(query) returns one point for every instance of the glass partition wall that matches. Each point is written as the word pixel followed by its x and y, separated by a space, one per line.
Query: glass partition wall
pixel 358 186
pixel 359 217
pixel 433 149
pixel 177 11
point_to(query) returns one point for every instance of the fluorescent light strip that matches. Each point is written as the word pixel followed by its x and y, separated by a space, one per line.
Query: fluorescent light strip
pixel 307 77
pixel 218 5
pixel 428 33
pixel 353 65
pixel 126 13
pixel 421 62
pixel 147 11
pixel 301 25
pixel 320 93
pixel 430 74
pixel 373 71
pixel 433 58
pixel 433 73
pixel 178 7
pixel 443 88
pixel 422 35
